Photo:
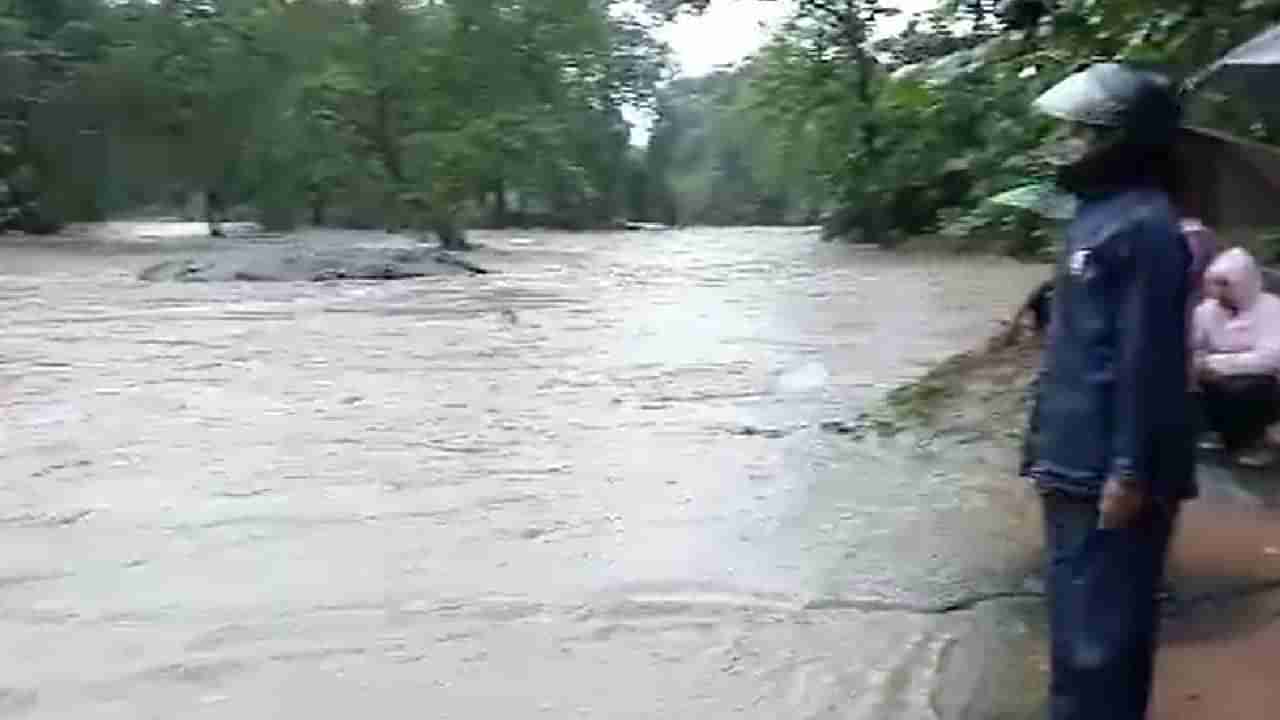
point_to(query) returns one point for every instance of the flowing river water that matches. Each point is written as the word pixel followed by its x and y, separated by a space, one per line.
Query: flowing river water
pixel 591 485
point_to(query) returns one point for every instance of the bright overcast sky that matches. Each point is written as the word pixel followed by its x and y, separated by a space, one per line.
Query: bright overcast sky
pixel 732 29
pixel 728 32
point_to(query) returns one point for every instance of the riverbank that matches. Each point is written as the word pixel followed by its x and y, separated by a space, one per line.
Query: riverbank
pixel 1222 632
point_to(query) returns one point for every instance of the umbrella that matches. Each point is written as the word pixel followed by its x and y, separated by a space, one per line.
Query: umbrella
pixel 1040 198
pixel 1228 182
pixel 1251 71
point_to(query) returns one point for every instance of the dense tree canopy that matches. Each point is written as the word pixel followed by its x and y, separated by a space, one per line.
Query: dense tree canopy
pixel 429 114
pixel 715 159
pixel 441 114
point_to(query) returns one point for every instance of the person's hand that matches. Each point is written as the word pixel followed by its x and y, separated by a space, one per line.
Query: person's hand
pixel 1203 370
pixel 1121 504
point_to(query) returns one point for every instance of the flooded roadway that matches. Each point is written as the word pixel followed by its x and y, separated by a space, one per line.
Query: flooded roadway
pixel 592 485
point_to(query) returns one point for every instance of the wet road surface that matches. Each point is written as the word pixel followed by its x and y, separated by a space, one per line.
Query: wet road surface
pixel 591 485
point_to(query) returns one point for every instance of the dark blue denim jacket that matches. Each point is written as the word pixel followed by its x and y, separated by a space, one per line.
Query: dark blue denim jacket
pixel 1112 397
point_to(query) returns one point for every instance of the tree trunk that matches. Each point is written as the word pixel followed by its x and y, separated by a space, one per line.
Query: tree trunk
pixel 450 234
pixel 855 36
pixel 213 213
pixel 391 214
pixel 500 218
pixel 388 149
pixel 870 138
pixel 319 208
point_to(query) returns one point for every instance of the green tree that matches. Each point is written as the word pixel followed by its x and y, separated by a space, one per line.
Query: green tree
pixel 915 130
pixel 715 160
pixel 404 112
pixel 190 83
pixel 47 48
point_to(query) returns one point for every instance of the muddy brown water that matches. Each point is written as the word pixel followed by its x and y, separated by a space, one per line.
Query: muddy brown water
pixel 591 485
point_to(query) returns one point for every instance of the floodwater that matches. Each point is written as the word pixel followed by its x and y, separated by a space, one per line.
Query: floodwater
pixel 593 485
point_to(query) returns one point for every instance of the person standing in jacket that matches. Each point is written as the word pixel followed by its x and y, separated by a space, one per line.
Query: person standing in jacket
pixel 1111 446
pixel 1236 339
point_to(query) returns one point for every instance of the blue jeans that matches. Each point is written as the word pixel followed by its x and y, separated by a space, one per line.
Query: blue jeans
pixel 1103 614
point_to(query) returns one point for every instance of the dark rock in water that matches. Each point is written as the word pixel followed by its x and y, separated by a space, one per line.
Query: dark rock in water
pixel 967 437
pixel 645 226
pixel 311 264
pixel 842 427
pixel 754 431
pixel 446 258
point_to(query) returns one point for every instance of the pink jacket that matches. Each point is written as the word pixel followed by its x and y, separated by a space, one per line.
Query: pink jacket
pixel 1245 341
